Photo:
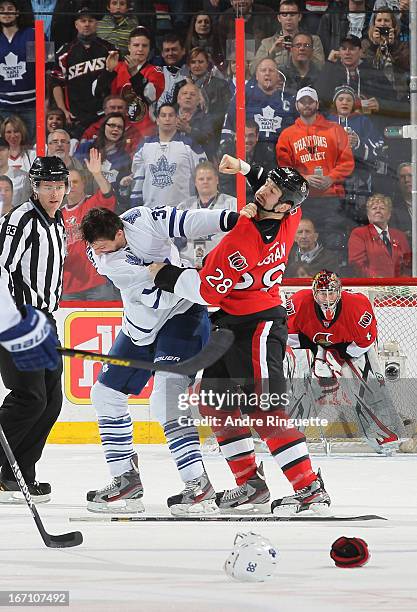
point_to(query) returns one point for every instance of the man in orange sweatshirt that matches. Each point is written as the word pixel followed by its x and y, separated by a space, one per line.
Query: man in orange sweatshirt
pixel 319 149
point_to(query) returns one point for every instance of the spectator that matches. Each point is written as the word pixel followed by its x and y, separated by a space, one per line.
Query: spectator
pixel 20 181
pixel 193 119
pixel 78 66
pixel 55 120
pixel 261 153
pixel 110 142
pixel 215 90
pixel 320 151
pixel 135 80
pixel 366 143
pixel 259 24
pixel 377 250
pixel 278 46
pixel 313 13
pixel 401 10
pixel 133 131
pixel 343 18
pixel 163 167
pixel 301 71
pixel 231 74
pixel 266 103
pixel 402 207
pixel 208 196
pixel 6 194
pixel 14 131
pixel 385 52
pixel 17 75
pixel 203 34
pixel 308 255
pixel 117 24
pixel 173 63
pixel 56 17
pixel 59 144
pixel 81 281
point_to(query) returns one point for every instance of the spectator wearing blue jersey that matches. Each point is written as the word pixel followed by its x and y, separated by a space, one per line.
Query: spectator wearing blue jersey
pixel 17 75
pixel 266 103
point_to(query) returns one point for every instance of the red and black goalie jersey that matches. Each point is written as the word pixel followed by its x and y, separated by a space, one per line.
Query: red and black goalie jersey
pixel 352 331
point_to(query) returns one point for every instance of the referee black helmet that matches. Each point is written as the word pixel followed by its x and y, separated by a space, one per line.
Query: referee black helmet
pixel 48 169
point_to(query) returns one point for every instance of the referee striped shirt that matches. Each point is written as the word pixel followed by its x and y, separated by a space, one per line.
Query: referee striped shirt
pixel 32 252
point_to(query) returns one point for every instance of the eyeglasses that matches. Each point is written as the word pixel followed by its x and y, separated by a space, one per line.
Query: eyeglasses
pixel 115 126
pixel 55 142
pixel 302 46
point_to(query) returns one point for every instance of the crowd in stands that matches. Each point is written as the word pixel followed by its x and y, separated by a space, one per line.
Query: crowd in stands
pixel 141 107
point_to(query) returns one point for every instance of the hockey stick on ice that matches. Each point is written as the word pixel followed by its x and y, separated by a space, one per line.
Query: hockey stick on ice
pixel 219 342
pixel 249 518
pixel 64 540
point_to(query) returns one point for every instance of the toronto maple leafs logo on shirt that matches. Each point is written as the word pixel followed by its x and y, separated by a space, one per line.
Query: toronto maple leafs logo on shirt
pixel 268 122
pixel 12 70
pixel 162 172
pixel 132 215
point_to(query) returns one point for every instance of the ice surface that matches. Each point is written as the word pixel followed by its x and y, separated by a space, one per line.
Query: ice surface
pixel 178 567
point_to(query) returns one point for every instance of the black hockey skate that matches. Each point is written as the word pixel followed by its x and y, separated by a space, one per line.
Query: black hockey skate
pixel 123 495
pixel 253 494
pixel 198 497
pixel 10 492
pixel 310 500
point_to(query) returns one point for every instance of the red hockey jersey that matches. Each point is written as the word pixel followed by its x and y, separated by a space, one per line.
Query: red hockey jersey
pixel 354 323
pixel 243 273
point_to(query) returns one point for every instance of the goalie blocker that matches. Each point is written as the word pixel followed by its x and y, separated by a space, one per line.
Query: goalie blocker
pixel 339 328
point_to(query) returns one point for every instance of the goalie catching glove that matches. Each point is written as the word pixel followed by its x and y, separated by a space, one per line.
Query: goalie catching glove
pixel 32 342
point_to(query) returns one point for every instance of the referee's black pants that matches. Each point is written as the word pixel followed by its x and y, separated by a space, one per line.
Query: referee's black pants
pixel 28 413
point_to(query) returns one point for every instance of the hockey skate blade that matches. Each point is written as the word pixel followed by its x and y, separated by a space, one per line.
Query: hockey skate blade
pixel 290 510
pixel 204 508
pixel 128 506
pixel 16 498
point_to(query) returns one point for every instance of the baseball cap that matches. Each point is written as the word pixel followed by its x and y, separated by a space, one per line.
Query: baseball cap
pixel 4 144
pixel 307 91
pixel 84 11
pixel 353 40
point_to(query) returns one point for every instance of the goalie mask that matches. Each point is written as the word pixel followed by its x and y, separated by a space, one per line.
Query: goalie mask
pixel 293 186
pixel 327 291
pixel 253 558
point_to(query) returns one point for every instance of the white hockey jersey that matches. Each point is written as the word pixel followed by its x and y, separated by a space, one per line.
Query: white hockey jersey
pixel 148 235
pixel 163 172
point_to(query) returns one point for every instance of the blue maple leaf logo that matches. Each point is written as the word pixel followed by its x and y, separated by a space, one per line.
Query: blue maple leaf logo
pixel 162 172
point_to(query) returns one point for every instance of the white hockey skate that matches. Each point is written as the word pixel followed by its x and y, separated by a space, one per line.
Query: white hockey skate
pixel 197 498
pixel 123 495
pixel 310 500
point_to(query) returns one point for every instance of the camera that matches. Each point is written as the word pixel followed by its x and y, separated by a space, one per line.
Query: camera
pixel 384 32
pixel 392 370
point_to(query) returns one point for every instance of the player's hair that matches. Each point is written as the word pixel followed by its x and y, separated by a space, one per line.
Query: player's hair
pixel 100 224
pixel 375 197
pixel 170 105
pixel 251 123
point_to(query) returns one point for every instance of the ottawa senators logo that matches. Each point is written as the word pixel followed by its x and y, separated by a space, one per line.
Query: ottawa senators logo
pixel 237 261
pixel 322 338
pixel 365 320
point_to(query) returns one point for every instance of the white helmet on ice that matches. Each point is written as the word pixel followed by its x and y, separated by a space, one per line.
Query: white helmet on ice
pixel 253 558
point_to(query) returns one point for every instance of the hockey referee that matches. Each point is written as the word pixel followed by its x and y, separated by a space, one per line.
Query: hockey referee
pixel 32 252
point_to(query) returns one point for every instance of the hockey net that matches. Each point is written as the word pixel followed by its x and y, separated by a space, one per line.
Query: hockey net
pixel 395 307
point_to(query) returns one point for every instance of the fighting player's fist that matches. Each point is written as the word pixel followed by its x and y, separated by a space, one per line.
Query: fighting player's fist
pixel 249 210
pixel 154 268
pixel 229 165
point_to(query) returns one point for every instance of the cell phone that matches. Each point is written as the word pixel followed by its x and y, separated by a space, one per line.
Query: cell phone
pixel 384 32
pixel 287 42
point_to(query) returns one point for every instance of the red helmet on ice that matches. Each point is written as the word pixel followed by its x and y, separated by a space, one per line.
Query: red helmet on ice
pixel 327 291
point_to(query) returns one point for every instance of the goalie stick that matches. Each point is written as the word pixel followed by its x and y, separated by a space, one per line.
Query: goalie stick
pixel 213 519
pixel 219 342
pixel 65 540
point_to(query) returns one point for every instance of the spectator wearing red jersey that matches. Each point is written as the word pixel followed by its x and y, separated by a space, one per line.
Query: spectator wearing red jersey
pixel 134 79
pixel 133 132
pixel 377 250
pixel 81 281
pixel 319 149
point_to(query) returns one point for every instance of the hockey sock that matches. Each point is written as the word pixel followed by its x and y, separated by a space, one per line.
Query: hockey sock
pixel 289 449
pixel 236 443
pixel 184 445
